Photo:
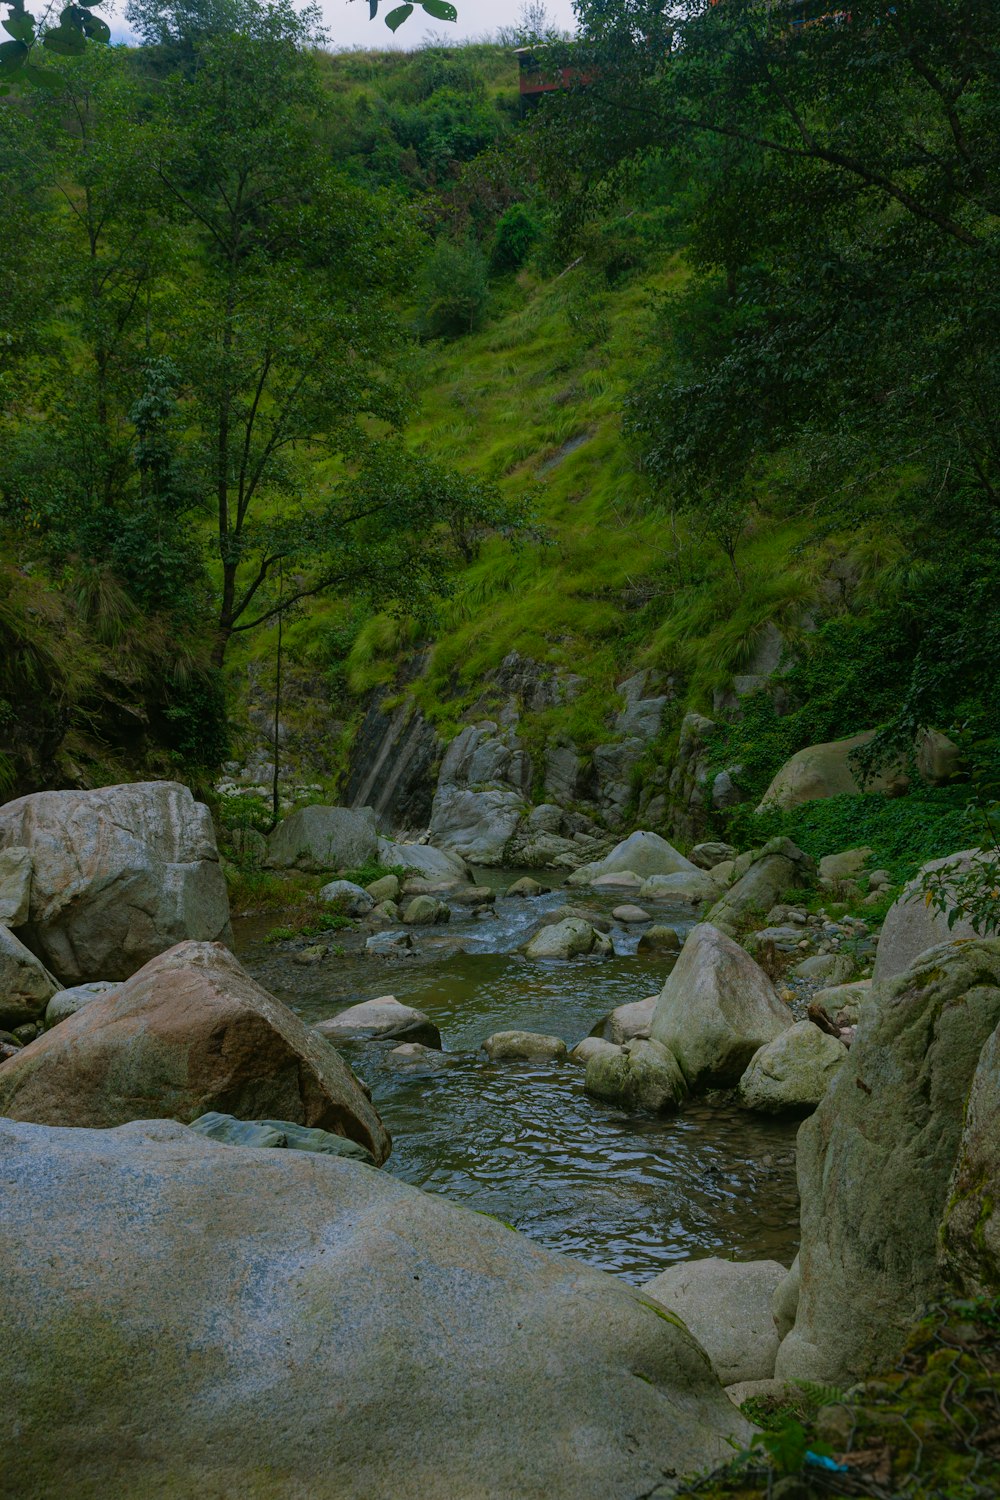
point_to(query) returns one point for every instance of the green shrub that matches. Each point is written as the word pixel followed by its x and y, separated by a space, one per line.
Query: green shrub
pixel 517 231
pixel 453 290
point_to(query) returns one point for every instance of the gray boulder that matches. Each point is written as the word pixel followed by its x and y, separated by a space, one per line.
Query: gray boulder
pixel 590 1047
pixel 353 899
pixel 827 770
pixel 15 885
pixel 67 1002
pixel 386 888
pixel 324 838
pixel 911 926
pixel 119 875
pixel 478 826
pixel 778 867
pixel 423 859
pixel 792 1073
pixel 692 886
pixel 278 1322
pixel 716 1009
pixel 26 986
pixel 596 918
pixel 524 1046
pixel 383 1018
pixel 627 1021
pixel 425 911
pixel 709 855
pixel 844 866
pixel 875 1163
pixel 630 914
pixel 640 1075
pixel 659 939
pixel 970 1233
pixel 827 968
pixel 785 1301
pixel 641 853
pixel 526 887
pixel 416 1057
pixel 277 1134
pixel 571 938
pixel 843 1002
pixel 727 1306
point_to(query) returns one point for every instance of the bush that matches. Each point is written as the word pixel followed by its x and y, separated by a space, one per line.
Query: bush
pixel 454 290
pixel 517 231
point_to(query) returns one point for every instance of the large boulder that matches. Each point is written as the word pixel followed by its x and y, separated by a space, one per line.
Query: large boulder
pixel 478 826
pixel 627 1021
pixel 778 867
pixel 381 1019
pixel 716 1009
pixel 911 926
pixel 571 938
pixel 191 1032
pixel 970 1233
pixel 439 865
pixel 194 1318
pixel 26 986
pixel 119 875
pixel 640 1075
pixel 15 885
pixel 727 1306
pixel 691 886
pixel 642 854
pixel 875 1163
pixel 318 838
pixel 791 1074
pixel 827 771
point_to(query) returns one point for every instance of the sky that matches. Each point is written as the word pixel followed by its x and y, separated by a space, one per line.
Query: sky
pixel 348 24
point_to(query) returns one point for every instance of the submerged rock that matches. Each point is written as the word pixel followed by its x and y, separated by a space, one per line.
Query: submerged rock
pixel 191 1032
pixel 383 1018
pixel 716 1009
pixel 727 1306
pixel 277 1323
pixel 278 1134
pixel 571 938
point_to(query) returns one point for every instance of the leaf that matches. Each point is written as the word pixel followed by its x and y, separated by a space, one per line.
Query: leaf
pixel 440 10
pixel 12 55
pixel 21 27
pixel 396 17
pixel 372 9
pixel 65 41
pixel 44 78
pixel 95 28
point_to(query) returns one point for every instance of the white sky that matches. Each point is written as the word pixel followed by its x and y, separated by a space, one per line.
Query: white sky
pixel 348 24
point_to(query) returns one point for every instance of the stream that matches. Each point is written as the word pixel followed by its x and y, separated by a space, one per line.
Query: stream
pixel 627 1193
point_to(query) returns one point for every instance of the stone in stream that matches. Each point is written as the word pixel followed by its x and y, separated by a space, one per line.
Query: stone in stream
pixel 659 939
pixel 877 1164
pixel 386 888
pixel 381 1019
pixel 526 886
pixel 277 1322
pixel 277 1134
pixel 727 1306
pixel 571 938
pixel 15 885
pixel 324 838
pixel 68 1002
pixel 474 895
pixel 596 919
pixel 417 1056
pixel 692 887
pixel 590 1047
pixel 119 875
pixel 353 899
pixel 716 1009
pixel 191 1032
pixel 389 944
pixel 424 860
pixel 625 880
pixel 627 1021
pixel 791 1074
pixel 640 1075
pixel 425 911
pixel 26 986
pixel 630 914
pixel 641 854
pixel 524 1046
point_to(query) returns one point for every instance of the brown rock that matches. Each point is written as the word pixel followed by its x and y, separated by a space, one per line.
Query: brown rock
pixel 191 1032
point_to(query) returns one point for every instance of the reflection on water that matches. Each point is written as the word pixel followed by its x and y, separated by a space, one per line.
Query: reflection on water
pixel 628 1193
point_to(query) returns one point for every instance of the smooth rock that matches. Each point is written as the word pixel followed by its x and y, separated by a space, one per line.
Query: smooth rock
pixel 571 938
pixel 630 914
pixel 709 855
pixel 15 885
pixel 785 1301
pixel 591 1046
pixel 385 911
pixel 119 875
pixel 424 911
pixel 641 854
pixel 26 986
pixel 911 926
pixel 875 1163
pixel 324 838
pixel 526 886
pixel 389 944
pixel 727 1306
pixel 643 1074
pixel 716 1009
pixel 627 1021
pixel 843 866
pixel 693 886
pixel 474 896
pixel 227 1322
pixel 417 1056
pixel 386 888
pixel 618 880
pixel 844 1000
pixel 67 1002
pixel 598 919
pixel 791 1074
pixel 827 771
pixel 277 1134
pixel 425 860
pixel 353 899
pixel 524 1046
pixel 659 939
pixel 770 872
pixel 191 1032
pixel 830 969
pixel 380 1018
pixel 478 826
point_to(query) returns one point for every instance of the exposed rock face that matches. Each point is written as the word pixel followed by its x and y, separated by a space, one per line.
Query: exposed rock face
pixel 716 1009
pixel 792 1073
pixel 571 938
pixel 324 838
pixel 524 1046
pixel 26 986
pixel 970 1235
pixel 640 1075
pixel 785 1301
pixel 392 763
pixel 641 854
pixel 384 1017
pixel 826 771
pixel 911 927
pixel 778 867
pixel 875 1163
pixel 727 1306
pixel 269 1310
pixel 481 794
pixel 191 1032
pixel 119 875
pixel 15 886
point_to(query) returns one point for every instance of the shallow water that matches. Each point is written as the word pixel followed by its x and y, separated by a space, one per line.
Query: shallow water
pixel 628 1193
